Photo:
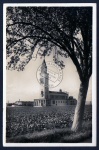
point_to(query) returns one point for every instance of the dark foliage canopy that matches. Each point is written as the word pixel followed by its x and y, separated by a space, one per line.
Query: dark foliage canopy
pixel 65 30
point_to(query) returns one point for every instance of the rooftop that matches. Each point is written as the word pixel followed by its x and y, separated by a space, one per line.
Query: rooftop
pixel 58 92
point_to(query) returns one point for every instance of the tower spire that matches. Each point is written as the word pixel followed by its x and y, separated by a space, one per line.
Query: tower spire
pixel 44 53
pixel 44 58
pixel 44 62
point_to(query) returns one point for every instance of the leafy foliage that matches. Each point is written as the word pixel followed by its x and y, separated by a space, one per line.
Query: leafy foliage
pixel 67 30
pixel 22 120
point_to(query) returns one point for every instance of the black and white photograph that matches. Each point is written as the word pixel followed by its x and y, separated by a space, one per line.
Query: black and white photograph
pixel 49 74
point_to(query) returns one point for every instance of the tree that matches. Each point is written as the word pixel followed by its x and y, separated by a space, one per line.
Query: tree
pixel 68 31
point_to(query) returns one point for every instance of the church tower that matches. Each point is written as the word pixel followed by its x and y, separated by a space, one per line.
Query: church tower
pixel 44 81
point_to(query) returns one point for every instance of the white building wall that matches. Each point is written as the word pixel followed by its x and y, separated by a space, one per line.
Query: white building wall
pixel 39 102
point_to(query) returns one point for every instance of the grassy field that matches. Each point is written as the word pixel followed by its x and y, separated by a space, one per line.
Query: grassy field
pixel 45 124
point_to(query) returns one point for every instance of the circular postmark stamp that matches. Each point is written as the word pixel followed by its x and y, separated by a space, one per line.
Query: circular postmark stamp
pixel 50 76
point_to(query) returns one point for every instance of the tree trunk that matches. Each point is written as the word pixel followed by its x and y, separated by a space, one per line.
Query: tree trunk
pixel 79 111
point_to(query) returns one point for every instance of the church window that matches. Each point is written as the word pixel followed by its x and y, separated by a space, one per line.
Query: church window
pixel 53 102
pixel 42 93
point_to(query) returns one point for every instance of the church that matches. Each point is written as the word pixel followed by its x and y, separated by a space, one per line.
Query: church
pixel 51 98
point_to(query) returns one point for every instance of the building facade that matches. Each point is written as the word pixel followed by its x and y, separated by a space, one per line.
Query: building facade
pixel 51 98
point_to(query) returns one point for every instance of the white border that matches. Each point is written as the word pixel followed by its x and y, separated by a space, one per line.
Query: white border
pixel 94 104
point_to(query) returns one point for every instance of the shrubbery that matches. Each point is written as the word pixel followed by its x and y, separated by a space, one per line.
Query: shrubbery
pixel 23 120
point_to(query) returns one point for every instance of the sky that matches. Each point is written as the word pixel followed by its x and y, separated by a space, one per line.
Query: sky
pixel 24 85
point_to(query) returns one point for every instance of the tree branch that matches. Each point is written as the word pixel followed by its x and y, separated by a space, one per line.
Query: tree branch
pixel 75 61
pixel 80 54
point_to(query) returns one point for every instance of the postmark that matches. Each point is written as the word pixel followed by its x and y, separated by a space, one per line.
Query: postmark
pixel 54 72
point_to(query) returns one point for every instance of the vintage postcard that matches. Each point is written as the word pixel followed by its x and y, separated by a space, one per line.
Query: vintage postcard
pixel 49 84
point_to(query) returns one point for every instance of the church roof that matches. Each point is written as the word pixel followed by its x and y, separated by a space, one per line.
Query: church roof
pixel 58 92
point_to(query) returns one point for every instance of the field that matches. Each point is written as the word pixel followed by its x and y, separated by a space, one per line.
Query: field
pixel 26 120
